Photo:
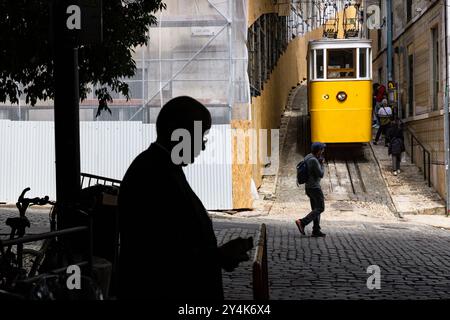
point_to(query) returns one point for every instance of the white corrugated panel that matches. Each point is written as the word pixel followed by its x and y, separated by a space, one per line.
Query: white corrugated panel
pixel 107 149
pixel 27 159
pixel 211 174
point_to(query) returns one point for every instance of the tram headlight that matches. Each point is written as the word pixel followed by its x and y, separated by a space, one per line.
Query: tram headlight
pixel 341 96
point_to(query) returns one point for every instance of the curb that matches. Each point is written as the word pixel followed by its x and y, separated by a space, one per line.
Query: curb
pixel 396 212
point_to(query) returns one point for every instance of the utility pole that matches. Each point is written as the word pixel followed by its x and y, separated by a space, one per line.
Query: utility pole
pixel 365 28
pixel 74 23
pixel 389 38
pixel 446 104
pixel 67 132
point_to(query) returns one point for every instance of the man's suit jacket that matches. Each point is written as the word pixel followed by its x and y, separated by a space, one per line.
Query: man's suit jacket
pixel 168 249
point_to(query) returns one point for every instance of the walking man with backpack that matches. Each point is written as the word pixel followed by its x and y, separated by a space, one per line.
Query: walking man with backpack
pixel 310 171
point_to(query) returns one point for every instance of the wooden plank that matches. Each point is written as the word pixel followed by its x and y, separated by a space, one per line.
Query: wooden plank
pixel 242 172
pixel 332 176
pixel 344 178
pixel 260 268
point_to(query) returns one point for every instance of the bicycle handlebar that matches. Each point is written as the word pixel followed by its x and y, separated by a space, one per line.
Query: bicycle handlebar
pixel 34 201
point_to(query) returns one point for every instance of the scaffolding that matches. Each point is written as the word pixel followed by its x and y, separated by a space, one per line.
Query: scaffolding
pixel 198 48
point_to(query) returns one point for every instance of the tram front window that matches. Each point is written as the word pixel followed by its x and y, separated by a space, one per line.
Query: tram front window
pixel 341 64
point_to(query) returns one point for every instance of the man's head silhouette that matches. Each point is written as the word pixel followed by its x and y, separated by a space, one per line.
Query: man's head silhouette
pixel 177 121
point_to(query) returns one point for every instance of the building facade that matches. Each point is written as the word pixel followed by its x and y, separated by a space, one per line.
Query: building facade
pixel 419 66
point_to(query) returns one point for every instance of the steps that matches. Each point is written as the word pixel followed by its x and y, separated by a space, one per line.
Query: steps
pixel 409 191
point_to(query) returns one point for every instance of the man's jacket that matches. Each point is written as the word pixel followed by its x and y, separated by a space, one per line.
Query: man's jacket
pixel 168 246
pixel 315 172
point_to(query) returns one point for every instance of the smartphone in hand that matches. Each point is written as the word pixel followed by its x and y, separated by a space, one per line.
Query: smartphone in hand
pixel 248 244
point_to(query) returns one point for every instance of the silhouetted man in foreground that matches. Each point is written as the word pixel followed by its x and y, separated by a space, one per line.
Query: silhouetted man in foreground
pixel 168 246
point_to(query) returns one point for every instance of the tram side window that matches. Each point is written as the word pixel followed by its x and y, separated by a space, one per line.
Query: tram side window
pixel 341 64
pixel 363 70
pixel 319 64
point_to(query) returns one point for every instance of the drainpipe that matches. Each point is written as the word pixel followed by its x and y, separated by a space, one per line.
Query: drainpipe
pixel 365 33
pixel 446 104
pixel 389 38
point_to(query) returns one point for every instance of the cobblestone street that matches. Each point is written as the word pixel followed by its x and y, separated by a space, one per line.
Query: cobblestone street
pixel 414 261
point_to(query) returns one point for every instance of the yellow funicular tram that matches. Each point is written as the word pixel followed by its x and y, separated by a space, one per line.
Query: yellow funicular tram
pixel 340 90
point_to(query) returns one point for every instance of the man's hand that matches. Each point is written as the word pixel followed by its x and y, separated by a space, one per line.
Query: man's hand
pixel 234 252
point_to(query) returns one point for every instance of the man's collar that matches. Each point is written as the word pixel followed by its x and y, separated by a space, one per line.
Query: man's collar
pixel 165 152
pixel 160 146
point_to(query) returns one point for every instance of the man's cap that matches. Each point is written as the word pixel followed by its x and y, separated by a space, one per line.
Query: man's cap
pixel 317 146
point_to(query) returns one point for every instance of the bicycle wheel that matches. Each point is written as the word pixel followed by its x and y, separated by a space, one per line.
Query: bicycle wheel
pixel 54 287
pixel 31 261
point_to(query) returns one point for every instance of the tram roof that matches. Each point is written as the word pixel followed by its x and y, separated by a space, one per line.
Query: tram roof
pixel 339 43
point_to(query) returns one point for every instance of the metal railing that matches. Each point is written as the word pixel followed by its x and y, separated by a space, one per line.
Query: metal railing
pixel 87 261
pixel 89 178
pixel 426 155
pixel 54 234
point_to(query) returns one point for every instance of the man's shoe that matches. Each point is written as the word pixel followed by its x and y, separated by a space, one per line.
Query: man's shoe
pixel 318 234
pixel 395 173
pixel 375 143
pixel 300 227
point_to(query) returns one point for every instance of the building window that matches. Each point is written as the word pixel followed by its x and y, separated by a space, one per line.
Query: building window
pixel 380 76
pixel 410 85
pixel 379 40
pixel 379 31
pixel 435 67
pixel 268 39
pixel 408 10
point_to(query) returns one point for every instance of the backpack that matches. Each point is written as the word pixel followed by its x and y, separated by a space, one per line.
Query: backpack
pixel 302 173
pixel 385 119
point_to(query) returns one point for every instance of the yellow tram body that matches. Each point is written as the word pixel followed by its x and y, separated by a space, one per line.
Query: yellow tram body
pixel 340 90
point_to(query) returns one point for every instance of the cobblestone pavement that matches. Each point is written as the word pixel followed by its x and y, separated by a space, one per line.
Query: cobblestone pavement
pixel 409 191
pixel 39 219
pixel 39 223
pixel 414 261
